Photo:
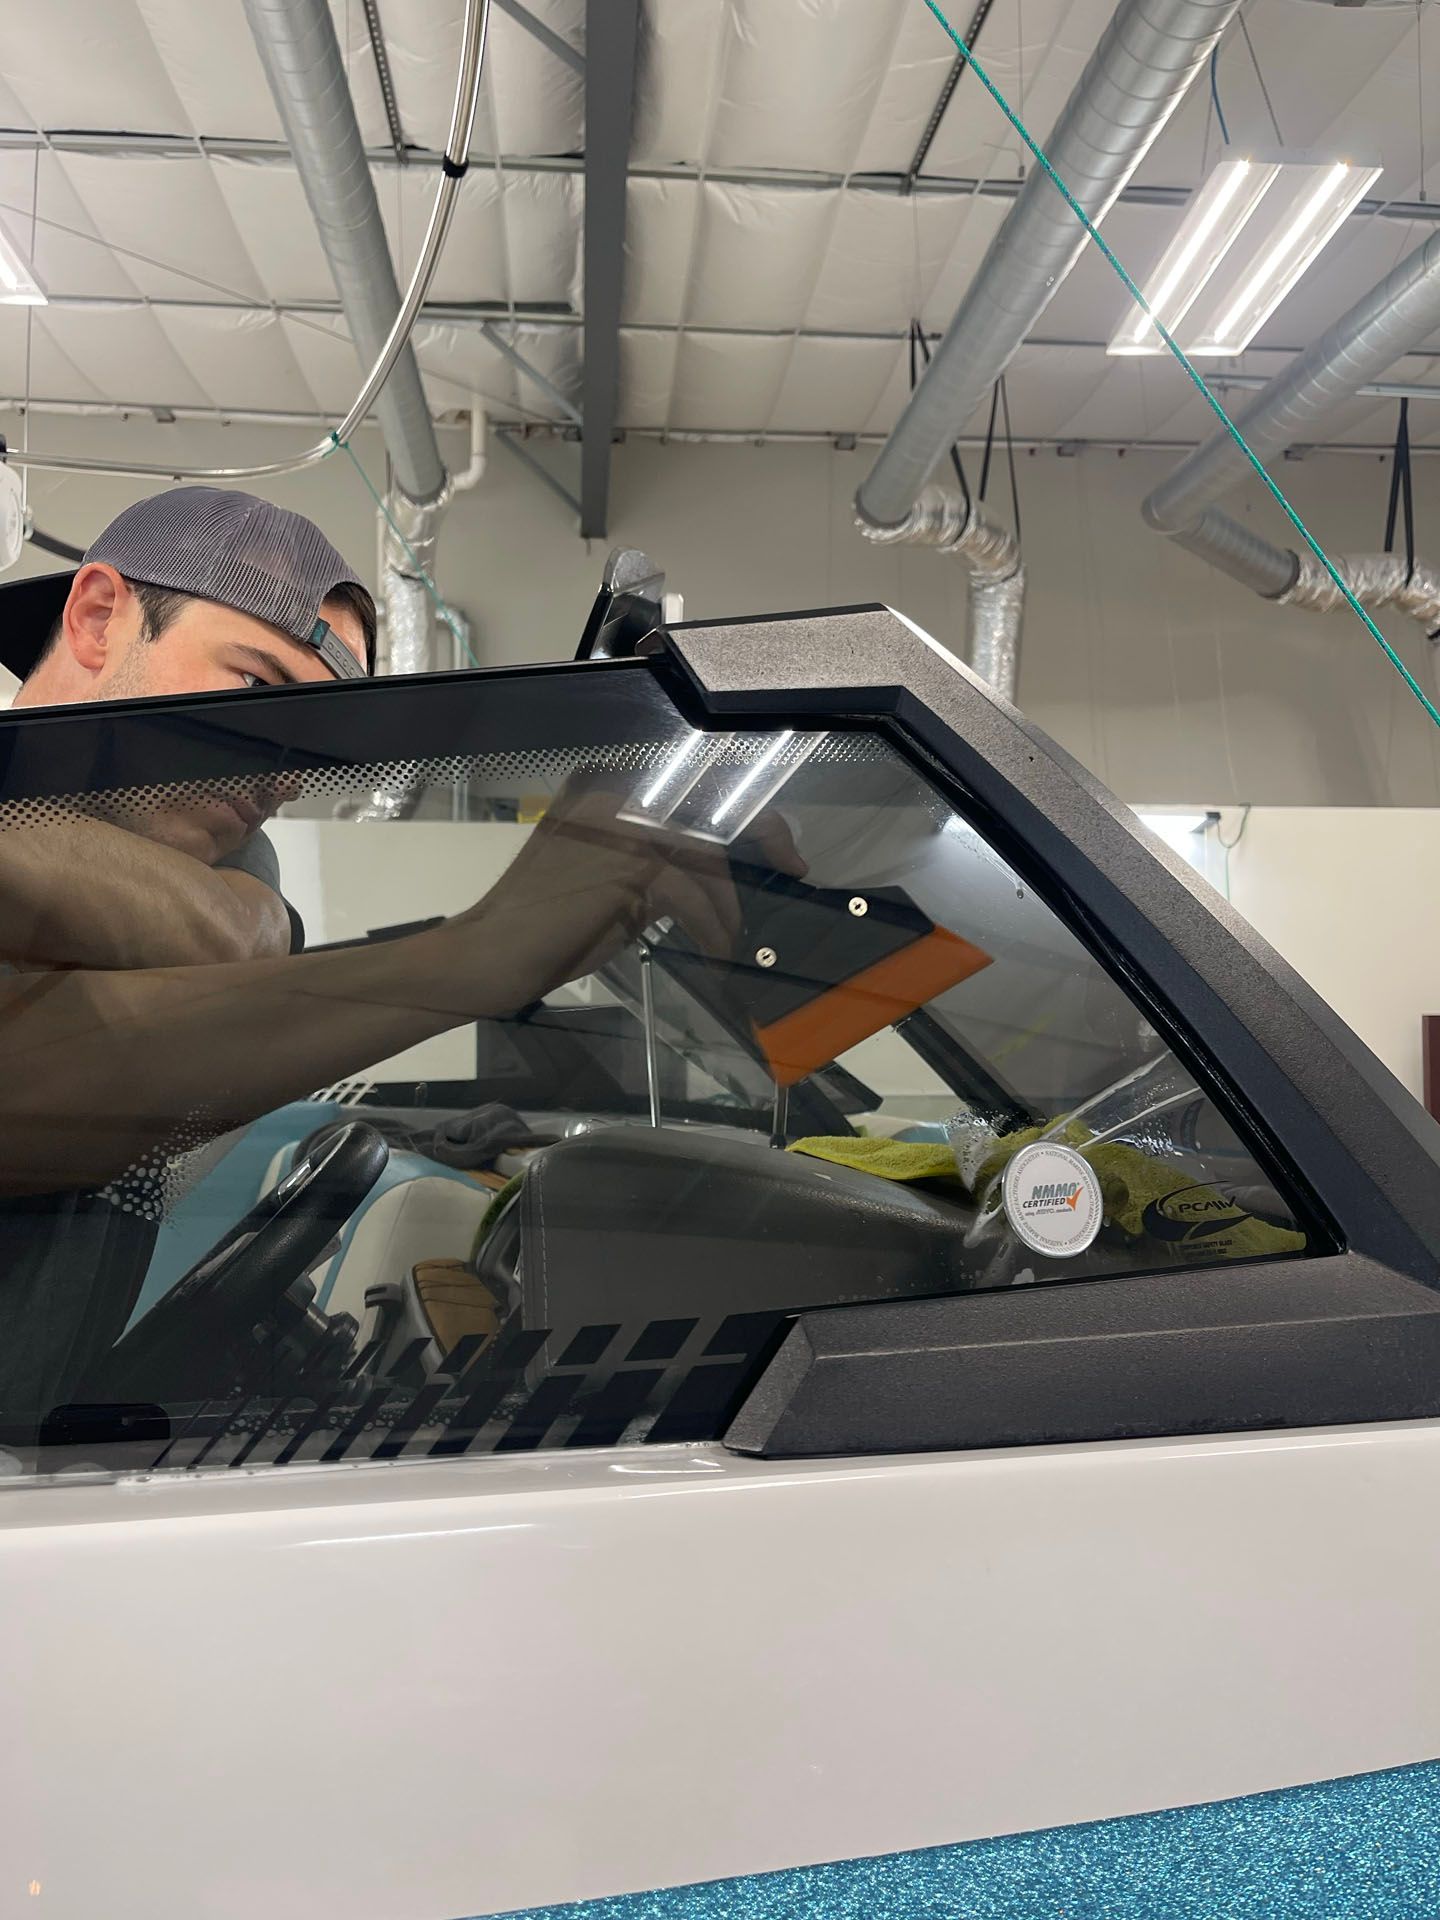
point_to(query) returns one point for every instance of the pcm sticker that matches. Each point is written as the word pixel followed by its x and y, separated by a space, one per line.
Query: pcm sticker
pixel 1053 1200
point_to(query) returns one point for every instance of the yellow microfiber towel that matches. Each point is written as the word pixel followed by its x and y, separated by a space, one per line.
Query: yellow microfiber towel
pixel 1144 1198
pixel 905 1160
pixel 1149 1199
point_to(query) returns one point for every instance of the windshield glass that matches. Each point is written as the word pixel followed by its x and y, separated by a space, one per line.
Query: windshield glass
pixel 602 1022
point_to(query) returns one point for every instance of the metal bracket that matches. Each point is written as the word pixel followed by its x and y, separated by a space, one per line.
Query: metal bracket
pixel 629 613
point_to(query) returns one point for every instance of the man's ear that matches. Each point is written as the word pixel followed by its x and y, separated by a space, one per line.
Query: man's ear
pixel 98 594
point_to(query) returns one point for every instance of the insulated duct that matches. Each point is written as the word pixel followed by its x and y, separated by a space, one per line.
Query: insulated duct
pixel 301 55
pixel 1137 76
pixel 1383 326
pixel 997 576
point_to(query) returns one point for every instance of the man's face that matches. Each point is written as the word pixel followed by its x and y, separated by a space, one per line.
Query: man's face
pixel 103 654
pixel 208 648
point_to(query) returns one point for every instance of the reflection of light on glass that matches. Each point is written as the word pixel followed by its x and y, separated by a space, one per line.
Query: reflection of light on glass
pixel 34 1889
pixel 671 767
pixel 743 786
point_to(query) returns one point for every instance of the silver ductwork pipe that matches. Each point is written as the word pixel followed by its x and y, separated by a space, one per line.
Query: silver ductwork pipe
pixel 1248 557
pixel 1383 326
pixel 301 55
pixel 1135 79
pixel 997 576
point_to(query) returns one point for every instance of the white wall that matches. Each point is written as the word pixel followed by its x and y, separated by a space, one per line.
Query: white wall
pixel 1164 678
pixel 1349 896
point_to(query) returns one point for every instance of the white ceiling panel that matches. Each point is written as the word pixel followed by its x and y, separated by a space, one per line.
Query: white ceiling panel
pixel 883 253
pixel 34 352
pixel 680 61
pixel 241 359
pixel 832 386
pixel 1034 54
pixel 659 233
pixel 908 91
pixel 759 251
pixel 647 371
pixel 800 82
pixel 326 360
pixel 475 264
pixel 531 95
pixel 171 209
pixel 727 383
pixel 68 252
pixel 208 55
pixel 87 63
pixel 977 221
pixel 122 352
pixel 541 219
pixel 893 395
pixel 1127 399
pixel 267 208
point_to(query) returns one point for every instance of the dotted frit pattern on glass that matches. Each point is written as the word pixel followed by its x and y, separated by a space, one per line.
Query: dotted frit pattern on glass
pixel 537 766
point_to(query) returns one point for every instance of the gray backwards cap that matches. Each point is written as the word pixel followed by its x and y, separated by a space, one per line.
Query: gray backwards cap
pixel 219 545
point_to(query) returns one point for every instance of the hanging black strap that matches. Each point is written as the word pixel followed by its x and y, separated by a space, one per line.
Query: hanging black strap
pixel 1010 454
pixel 1000 407
pixel 1402 488
pixel 989 439
pixel 918 340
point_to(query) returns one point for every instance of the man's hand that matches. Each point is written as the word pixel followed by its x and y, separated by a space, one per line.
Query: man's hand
pixel 584 885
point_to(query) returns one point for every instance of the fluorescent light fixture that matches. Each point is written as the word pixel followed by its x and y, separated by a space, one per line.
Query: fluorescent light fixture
pixel 1263 219
pixel 18 285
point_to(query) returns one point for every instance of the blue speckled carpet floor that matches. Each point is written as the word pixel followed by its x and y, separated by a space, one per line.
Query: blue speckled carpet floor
pixel 1366 1848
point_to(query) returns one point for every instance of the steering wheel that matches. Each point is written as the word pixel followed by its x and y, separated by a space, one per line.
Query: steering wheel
pixel 249 1296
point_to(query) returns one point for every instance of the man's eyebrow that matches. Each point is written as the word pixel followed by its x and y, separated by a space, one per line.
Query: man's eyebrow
pixel 260 657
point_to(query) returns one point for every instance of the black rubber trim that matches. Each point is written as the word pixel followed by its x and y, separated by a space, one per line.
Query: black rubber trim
pixel 453 169
pixel 1305 1343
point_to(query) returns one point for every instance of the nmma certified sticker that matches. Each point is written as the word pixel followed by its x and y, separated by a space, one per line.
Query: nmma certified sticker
pixel 1052 1199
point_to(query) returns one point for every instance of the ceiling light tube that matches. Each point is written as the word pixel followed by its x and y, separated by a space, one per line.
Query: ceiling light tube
pixel 1213 222
pixel 1282 263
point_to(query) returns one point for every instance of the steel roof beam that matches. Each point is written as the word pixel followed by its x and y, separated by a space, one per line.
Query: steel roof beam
pixel 612 37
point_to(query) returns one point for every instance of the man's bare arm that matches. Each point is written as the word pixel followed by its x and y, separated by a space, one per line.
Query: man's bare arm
pixel 84 893
pixel 101 1070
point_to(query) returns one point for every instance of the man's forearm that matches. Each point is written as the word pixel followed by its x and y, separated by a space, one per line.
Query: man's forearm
pixel 99 1071
pixel 84 893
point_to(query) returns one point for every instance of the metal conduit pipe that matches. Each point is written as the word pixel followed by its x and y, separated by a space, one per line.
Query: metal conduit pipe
pixel 1137 76
pixel 997 576
pixel 1384 325
pixel 301 55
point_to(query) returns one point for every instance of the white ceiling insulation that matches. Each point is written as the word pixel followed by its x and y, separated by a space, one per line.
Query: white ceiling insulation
pixel 772 262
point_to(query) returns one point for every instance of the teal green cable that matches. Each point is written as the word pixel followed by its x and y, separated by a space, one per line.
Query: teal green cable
pixel 1229 425
pixel 442 608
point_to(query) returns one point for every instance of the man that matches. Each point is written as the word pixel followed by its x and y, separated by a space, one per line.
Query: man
pixel 117 1046
pixel 193 591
